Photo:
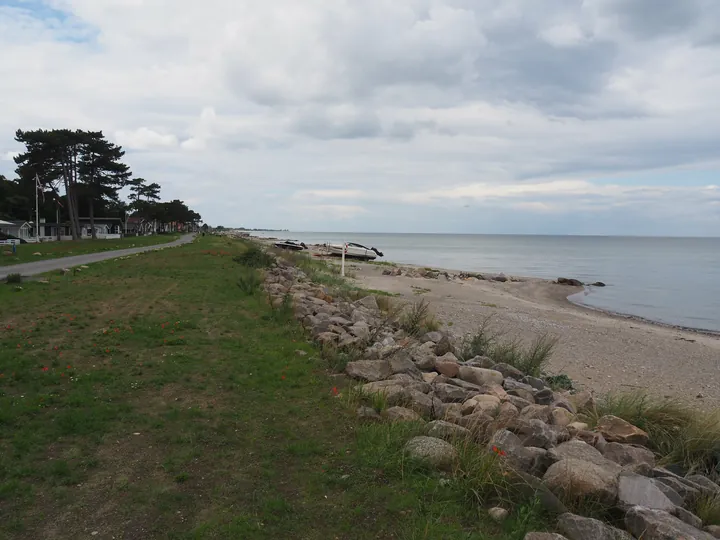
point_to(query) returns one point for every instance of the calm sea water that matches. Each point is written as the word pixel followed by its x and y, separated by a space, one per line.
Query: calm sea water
pixel 670 280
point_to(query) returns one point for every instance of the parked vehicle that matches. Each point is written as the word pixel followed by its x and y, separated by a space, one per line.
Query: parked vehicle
pixel 354 251
pixel 291 245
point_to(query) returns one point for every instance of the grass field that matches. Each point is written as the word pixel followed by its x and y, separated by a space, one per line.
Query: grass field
pixel 153 398
pixel 54 250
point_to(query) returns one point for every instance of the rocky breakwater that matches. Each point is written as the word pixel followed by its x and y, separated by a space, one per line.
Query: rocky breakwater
pixel 537 432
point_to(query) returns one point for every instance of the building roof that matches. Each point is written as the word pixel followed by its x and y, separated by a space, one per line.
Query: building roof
pixel 102 219
pixel 5 222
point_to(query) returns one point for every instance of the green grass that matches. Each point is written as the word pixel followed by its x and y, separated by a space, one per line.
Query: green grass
pixel 150 397
pixel 54 250
pixel 416 319
pixel 531 359
pixel 679 434
pixel 707 508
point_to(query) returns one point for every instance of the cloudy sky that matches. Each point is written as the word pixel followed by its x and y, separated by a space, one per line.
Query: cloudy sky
pixel 477 116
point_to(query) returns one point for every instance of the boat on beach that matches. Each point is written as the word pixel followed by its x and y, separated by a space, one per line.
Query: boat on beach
pixel 291 245
pixel 353 251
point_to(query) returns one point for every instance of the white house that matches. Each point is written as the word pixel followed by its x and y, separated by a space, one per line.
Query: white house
pixel 19 229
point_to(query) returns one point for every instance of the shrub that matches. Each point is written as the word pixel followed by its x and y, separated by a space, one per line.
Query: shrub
pixel 249 281
pixel 559 382
pixel 254 257
pixel 13 279
pixel 480 343
pixel 416 319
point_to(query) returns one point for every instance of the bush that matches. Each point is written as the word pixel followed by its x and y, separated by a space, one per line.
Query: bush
pixel 530 360
pixel 13 279
pixel 254 257
pixel 249 281
pixel 707 508
pixel 416 319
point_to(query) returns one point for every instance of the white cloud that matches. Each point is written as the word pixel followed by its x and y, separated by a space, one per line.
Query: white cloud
pixel 9 156
pixel 145 139
pixel 277 113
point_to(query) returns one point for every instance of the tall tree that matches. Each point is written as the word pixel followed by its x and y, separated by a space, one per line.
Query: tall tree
pixel 102 172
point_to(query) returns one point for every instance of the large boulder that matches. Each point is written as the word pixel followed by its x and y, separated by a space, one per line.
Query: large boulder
pixel 447 365
pixel 536 412
pixel 422 404
pixel 445 430
pixel 580 450
pixel 543 536
pixel 368 302
pixel 579 479
pixel 424 356
pixel 544 396
pixel 432 452
pixel 394 394
pixel 561 417
pixel 480 376
pixel 706 485
pixel 509 371
pixel 369 370
pixel 635 458
pixel 650 524
pixel 637 490
pixel 583 528
pixel 481 403
pixel 582 401
pixel 449 393
pixel 670 493
pixel 402 414
pixel 518 402
pixel 444 346
pixel 536 433
pixel 713 530
pixel 368 415
pixel 616 429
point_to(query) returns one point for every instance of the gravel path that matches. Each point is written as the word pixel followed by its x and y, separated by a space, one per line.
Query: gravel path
pixel 40 267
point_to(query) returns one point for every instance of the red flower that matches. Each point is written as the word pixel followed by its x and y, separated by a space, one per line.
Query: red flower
pixel 45 368
pixel 69 331
pixel 107 350
pixel 2 375
pixel 283 377
pixel 19 346
pixel 69 367
pixel 335 391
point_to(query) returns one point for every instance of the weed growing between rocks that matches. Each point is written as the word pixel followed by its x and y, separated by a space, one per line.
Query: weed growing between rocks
pixel 707 508
pixel 416 319
pixel 531 360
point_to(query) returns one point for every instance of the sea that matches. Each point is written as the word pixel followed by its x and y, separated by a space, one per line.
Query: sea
pixel 675 281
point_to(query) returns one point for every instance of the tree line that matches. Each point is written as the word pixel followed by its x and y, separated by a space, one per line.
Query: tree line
pixel 81 173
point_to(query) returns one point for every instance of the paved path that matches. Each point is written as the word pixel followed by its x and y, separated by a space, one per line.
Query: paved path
pixel 40 267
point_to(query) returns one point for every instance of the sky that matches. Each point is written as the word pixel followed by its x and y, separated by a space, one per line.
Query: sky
pixel 451 116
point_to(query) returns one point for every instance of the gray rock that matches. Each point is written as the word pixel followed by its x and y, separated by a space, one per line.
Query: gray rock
pixel 369 370
pixel 401 414
pixel 582 528
pixel 408 378
pixel 519 402
pixel 536 412
pixel 544 397
pixel 510 447
pixel 683 488
pixel 420 403
pixel 580 450
pixel 401 362
pixel 511 384
pixel 526 395
pixel 536 433
pixel 565 404
pixel 444 346
pixel 474 388
pixel 505 415
pixel 630 456
pixel 713 530
pixel 508 371
pixel 541 462
pixel 369 302
pixel 616 429
pixel 340 321
pixel 435 337
pixel 670 493
pixel 432 452
pixel 636 490
pixel 445 430
pixel 537 384
pixel 480 376
pixel 478 424
pixel 532 487
pixel 708 485
pixel 561 417
pixel 368 414
pixel 651 524
pixel 687 516
pixel 543 536
pixel 449 393
pixel 360 330
pixel 498 514
pixel 582 479
pixel 359 315
pixel 424 356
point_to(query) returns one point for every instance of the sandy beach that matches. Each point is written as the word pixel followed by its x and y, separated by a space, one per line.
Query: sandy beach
pixel 599 351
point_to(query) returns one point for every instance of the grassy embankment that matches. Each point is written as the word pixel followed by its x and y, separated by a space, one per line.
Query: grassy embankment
pixel 56 250
pixel 155 398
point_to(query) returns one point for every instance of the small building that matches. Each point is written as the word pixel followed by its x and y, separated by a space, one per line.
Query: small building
pixel 18 229
pixel 104 227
